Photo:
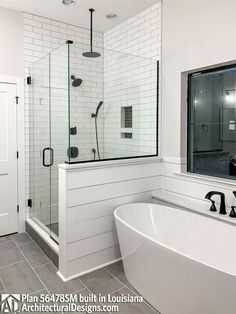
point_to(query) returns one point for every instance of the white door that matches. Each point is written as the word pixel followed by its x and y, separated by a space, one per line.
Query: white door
pixel 8 159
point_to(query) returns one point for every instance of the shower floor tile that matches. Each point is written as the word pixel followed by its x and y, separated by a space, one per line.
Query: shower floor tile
pixel 24 268
pixel 54 228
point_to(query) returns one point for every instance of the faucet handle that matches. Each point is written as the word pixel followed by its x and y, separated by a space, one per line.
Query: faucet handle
pixel 232 213
pixel 213 207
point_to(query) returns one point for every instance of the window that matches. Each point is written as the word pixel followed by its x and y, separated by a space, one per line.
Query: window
pixel 212 122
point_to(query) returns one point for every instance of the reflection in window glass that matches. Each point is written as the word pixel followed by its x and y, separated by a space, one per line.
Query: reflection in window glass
pixel 212 122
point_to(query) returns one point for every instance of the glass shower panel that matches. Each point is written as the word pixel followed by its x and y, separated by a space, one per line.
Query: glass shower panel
pixel 87 109
pixel 86 88
pixel 113 105
pixel 58 125
pixel 39 136
pixel 131 105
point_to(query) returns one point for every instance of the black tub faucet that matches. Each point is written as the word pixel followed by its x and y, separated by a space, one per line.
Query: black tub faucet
pixel 233 212
pixel 222 202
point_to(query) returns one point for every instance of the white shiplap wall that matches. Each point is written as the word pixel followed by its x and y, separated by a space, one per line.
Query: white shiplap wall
pixel 88 196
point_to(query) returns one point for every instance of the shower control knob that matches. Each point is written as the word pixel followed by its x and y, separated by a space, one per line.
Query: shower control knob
pixel 232 213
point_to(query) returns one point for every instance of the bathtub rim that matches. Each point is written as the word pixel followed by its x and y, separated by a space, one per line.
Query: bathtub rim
pixel 162 244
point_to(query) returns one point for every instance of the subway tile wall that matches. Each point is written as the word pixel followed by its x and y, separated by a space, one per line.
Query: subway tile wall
pixel 117 78
pixel 131 81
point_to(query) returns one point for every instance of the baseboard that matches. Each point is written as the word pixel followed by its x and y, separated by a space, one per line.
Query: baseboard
pixel 87 271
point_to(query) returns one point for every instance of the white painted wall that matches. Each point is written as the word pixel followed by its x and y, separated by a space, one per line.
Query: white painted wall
pixel 196 34
pixel 11 39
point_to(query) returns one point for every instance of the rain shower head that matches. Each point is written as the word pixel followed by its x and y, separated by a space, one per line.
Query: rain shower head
pixel 76 81
pixel 91 53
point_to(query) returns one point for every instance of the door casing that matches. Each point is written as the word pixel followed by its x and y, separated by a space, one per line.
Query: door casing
pixel 19 82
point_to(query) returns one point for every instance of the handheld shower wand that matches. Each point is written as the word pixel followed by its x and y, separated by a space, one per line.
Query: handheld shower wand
pixel 95 115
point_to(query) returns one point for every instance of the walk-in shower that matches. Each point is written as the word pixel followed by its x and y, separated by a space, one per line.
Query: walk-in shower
pixel 68 94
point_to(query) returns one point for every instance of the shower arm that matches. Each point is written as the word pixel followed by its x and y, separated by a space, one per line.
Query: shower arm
pixel 91 28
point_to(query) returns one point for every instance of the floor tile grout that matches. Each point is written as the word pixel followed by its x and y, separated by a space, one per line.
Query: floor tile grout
pixel 3 285
pixel 33 241
pixel 8 265
pixel 116 290
pixel 44 285
pixel 19 247
pixel 36 291
pixel 91 292
pixel 119 280
pixel 132 291
pixel 23 244
pixel 43 265
pixel 33 269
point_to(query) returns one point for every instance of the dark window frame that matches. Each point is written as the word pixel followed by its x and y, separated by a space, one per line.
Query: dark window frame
pixel 189 108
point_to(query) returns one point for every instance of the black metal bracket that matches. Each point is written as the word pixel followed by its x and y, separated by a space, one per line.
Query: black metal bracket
pixel 70 42
pixel 29 80
pixel 30 203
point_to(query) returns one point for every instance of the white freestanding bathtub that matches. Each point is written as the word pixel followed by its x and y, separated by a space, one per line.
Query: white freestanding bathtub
pixel 181 262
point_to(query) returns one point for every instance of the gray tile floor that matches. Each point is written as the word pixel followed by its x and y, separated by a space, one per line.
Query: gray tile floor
pixel 24 268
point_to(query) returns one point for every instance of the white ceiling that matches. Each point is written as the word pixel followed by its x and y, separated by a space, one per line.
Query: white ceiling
pixel 79 15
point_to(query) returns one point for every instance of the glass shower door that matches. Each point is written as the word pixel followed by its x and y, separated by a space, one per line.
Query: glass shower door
pixel 40 154
pixel 48 136
pixel 58 126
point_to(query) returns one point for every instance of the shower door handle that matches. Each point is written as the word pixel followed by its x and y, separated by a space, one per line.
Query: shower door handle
pixel 51 157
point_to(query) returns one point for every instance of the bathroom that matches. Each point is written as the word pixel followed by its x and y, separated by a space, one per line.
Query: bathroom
pixel 118 150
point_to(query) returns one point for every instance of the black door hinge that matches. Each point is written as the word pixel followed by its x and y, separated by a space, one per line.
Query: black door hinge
pixel 18 208
pixel 30 203
pixel 17 100
pixel 17 154
pixel 29 80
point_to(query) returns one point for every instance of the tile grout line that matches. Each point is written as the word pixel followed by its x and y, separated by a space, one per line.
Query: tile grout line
pixel 116 290
pixel 91 292
pixel 8 265
pixel 36 291
pixel 33 241
pixel 32 268
pixel 45 288
pixel 119 280
pixel 43 265
pixel 3 285
pixel 23 244
pixel 133 292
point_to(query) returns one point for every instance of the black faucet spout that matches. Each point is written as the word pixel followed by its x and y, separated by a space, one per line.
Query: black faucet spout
pixel 222 201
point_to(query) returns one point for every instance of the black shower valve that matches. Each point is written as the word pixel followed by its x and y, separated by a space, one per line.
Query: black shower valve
pixel 73 131
pixel 73 152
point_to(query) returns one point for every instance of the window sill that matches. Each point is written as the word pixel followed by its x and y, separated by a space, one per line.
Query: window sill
pixel 217 180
